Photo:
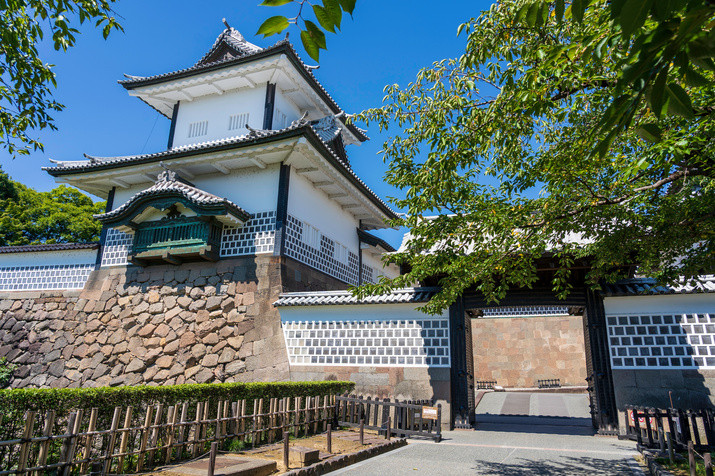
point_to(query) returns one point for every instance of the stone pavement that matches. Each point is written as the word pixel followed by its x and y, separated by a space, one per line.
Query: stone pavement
pixel 508 450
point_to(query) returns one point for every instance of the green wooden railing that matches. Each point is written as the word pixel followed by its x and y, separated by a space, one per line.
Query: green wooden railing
pixel 182 232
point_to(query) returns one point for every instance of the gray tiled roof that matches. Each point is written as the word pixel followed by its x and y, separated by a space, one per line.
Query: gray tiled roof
pixel 335 298
pixel 189 192
pixel 373 240
pixel 48 247
pixel 297 127
pixel 646 286
pixel 235 40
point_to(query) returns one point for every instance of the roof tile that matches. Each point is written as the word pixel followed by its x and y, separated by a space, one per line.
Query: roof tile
pixel 330 298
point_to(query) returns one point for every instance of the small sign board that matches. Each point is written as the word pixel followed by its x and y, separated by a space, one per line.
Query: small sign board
pixel 429 413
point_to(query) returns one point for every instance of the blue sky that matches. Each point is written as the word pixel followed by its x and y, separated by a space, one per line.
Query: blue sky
pixel 385 43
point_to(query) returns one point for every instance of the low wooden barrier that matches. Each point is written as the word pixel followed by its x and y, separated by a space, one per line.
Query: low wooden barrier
pixel 406 418
pixel 167 434
pixel 549 383
pixel 651 427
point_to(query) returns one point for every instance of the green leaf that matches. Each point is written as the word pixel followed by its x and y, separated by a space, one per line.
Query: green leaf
pixel 316 33
pixel 311 47
pixel 650 132
pixel 578 8
pixel 664 8
pixel 532 14
pixel 332 7
pixel 633 15
pixel 695 79
pixel 657 92
pixel 274 3
pixel 348 5
pixel 323 18
pixel 272 26
pixel 679 101
pixel 559 10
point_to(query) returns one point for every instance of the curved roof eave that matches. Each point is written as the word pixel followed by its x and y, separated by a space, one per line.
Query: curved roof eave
pixel 269 136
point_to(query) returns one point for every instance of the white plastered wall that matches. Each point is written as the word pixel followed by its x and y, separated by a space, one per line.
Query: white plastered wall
pixel 217 110
pixel 48 258
pixel 380 335
pixel 375 262
pixel 283 105
pixel 310 205
pixel 253 189
pixel 665 304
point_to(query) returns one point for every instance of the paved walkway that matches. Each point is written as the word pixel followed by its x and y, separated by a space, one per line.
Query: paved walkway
pixel 508 450
pixel 569 411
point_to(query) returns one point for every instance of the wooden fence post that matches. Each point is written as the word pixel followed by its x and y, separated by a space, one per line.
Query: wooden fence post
pixel 197 429
pixel 286 450
pixel 671 450
pixel 26 435
pixel 183 424
pixel 330 438
pixel 144 437
pixel 88 440
pixel 64 454
pixel 171 419
pixel 109 452
pixel 691 459
pixel 125 440
pixel 212 458
pixel 306 416
pixel 155 432
pixel 707 459
pixel 296 416
pixel 45 445
pixel 73 443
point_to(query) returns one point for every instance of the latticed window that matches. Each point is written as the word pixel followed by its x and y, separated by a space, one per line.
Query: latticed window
pixel 197 129
pixel 237 121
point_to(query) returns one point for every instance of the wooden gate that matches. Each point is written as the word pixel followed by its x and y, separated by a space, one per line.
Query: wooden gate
pixel 406 418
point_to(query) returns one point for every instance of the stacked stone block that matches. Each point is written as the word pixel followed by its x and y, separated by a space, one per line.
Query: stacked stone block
pixel 194 323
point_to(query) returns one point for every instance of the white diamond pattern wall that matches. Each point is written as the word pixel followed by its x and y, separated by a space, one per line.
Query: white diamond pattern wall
pixel 670 341
pixel 256 236
pixel 394 343
pixel 116 248
pixel 323 257
pixel 37 278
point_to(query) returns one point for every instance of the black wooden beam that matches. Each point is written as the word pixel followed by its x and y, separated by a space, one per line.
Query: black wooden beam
pixel 282 209
pixel 600 381
pixel 459 371
pixel 268 110
pixel 172 128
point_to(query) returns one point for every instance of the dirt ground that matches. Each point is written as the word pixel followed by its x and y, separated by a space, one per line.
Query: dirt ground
pixel 344 442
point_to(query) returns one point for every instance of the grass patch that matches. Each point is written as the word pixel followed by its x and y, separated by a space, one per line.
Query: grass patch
pixel 680 466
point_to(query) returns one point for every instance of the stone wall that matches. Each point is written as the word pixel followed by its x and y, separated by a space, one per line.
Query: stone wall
pixel 516 352
pixel 198 322
pixel 403 383
pixel 655 388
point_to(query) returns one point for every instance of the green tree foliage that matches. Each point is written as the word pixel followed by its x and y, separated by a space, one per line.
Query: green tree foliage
pixel 7 187
pixel 328 15
pixel 503 148
pixel 26 82
pixel 62 215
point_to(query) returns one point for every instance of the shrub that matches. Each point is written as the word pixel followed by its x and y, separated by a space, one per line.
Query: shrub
pixel 6 370
pixel 15 402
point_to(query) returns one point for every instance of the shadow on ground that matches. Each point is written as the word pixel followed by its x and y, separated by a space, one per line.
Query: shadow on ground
pixel 582 465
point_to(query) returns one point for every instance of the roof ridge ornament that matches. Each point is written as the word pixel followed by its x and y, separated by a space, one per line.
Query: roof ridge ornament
pixel 166 175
